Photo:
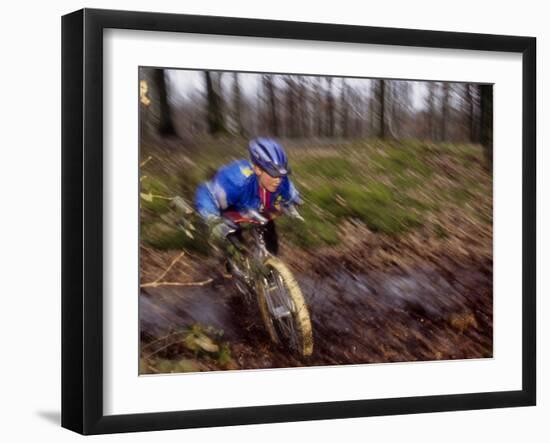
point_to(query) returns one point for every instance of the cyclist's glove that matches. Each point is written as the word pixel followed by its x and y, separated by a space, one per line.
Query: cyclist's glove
pixel 220 228
pixel 292 212
pixel 297 200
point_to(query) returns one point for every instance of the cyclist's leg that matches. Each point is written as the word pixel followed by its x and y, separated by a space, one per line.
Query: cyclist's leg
pixel 232 249
pixel 271 238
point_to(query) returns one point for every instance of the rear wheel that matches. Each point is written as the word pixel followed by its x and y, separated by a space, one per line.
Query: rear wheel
pixel 283 308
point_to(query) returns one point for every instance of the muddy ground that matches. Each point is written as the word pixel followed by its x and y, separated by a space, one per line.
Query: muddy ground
pixel 372 301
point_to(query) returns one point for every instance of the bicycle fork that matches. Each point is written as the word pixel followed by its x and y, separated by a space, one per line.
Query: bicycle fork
pixel 280 311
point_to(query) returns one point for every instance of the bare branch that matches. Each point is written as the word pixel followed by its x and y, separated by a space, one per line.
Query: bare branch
pixel 170 266
pixel 144 162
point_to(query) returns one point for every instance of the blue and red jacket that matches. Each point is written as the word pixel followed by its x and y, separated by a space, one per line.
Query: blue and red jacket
pixel 236 189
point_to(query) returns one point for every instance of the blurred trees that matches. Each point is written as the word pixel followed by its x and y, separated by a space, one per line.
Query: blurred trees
pixel 296 106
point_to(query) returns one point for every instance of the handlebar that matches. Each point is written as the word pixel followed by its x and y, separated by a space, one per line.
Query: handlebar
pixel 255 216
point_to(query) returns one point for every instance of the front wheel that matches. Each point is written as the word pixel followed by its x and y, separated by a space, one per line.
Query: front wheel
pixel 283 308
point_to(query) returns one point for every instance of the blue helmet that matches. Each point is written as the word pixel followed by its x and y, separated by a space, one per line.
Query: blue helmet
pixel 269 155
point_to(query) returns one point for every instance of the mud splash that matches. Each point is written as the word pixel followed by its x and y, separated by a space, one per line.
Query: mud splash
pixel 425 313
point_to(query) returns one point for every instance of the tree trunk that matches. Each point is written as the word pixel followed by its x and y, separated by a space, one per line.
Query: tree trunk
pixel 319 111
pixel 303 111
pixel 486 127
pixel 373 108
pixel 470 103
pixel 404 109
pixel 382 132
pixel 291 115
pixel 165 125
pixel 431 111
pixel 330 108
pixel 237 105
pixel 344 105
pixel 358 108
pixel 445 113
pixel 214 114
pixel 272 105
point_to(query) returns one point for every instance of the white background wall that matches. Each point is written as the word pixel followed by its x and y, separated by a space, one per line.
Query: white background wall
pixel 30 218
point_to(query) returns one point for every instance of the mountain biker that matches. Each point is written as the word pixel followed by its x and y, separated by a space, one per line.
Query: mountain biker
pixel 260 185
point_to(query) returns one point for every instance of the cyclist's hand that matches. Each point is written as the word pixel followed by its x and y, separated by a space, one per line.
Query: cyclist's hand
pixel 221 227
pixel 256 216
pixel 292 212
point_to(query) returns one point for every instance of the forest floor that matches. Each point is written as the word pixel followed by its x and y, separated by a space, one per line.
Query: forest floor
pixel 394 259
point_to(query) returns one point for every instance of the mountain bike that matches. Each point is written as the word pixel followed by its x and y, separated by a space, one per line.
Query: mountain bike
pixel 262 277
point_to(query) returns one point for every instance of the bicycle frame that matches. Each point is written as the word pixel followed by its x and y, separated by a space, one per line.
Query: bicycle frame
pixel 262 277
pixel 257 253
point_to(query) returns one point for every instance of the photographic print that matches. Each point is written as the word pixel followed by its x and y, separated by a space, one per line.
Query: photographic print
pixel 292 220
pixel 322 213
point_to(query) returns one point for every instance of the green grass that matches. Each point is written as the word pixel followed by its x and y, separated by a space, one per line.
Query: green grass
pixel 401 159
pixel 155 187
pixel 334 168
pixel 389 186
pixel 165 236
pixel 375 204
pixel 315 231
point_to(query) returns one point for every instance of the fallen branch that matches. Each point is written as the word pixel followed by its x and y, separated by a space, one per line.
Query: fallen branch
pixel 162 348
pixel 155 282
pixel 170 266
pixel 158 281
pixel 162 197
pixel 143 163
pixel 163 338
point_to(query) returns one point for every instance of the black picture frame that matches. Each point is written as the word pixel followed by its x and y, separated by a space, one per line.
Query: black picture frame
pixel 82 218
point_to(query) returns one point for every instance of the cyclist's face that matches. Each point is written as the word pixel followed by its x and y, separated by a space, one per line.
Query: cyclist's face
pixel 266 181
